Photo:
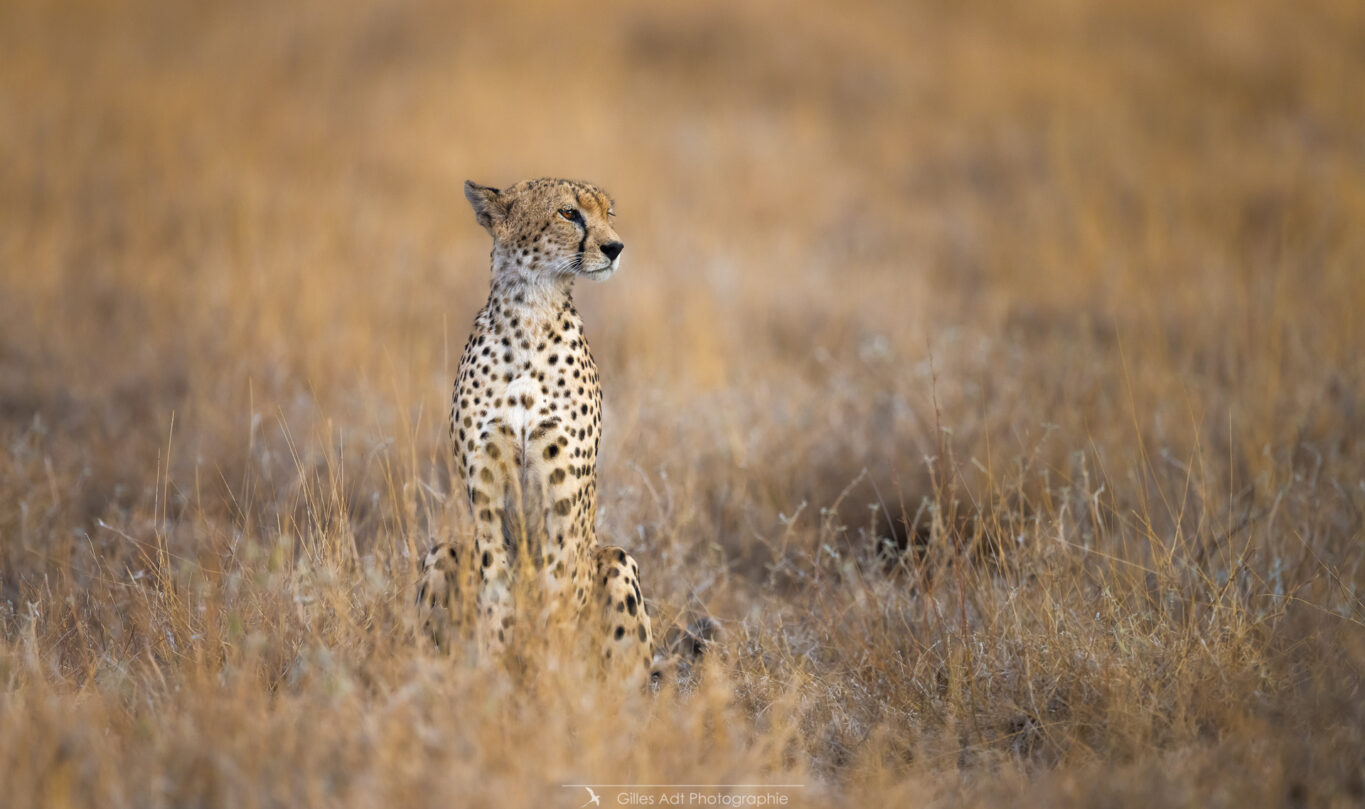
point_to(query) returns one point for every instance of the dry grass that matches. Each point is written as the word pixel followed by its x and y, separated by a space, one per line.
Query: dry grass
pixel 993 374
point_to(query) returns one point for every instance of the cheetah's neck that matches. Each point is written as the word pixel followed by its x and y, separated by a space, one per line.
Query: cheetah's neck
pixel 520 291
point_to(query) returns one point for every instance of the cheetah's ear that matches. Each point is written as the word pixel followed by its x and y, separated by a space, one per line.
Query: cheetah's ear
pixel 489 208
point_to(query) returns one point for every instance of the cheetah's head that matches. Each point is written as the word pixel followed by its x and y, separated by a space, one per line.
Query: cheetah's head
pixel 549 228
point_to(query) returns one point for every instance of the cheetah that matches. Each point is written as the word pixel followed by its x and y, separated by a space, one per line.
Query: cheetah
pixel 526 420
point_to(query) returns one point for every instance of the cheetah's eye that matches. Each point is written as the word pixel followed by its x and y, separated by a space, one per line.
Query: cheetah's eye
pixel 569 214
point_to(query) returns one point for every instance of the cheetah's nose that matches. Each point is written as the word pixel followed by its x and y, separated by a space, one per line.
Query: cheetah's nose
pixel 613 249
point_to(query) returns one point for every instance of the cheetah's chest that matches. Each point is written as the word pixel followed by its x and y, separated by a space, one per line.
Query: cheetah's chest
pixel 525 376
pixel 521 413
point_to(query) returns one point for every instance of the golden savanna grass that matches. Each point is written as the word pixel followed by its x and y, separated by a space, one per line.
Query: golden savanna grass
pixel 992 373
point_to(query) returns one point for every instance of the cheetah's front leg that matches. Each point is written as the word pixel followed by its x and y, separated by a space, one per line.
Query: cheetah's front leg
pixel 628 642
pixel 491 482
pixel 566 489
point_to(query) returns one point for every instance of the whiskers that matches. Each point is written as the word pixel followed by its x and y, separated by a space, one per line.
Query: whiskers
pixel 564 264
pixel 572 264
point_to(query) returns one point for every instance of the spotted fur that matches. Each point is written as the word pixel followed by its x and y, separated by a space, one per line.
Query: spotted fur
pixel 526 421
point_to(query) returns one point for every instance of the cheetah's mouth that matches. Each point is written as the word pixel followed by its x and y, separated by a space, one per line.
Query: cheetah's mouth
pixel 602 272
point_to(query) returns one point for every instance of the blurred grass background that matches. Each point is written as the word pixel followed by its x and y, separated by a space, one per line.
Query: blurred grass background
pixel 991 372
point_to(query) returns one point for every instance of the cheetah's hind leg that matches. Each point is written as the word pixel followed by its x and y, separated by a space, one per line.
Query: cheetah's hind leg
pixel 439 595
pixel 628 640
